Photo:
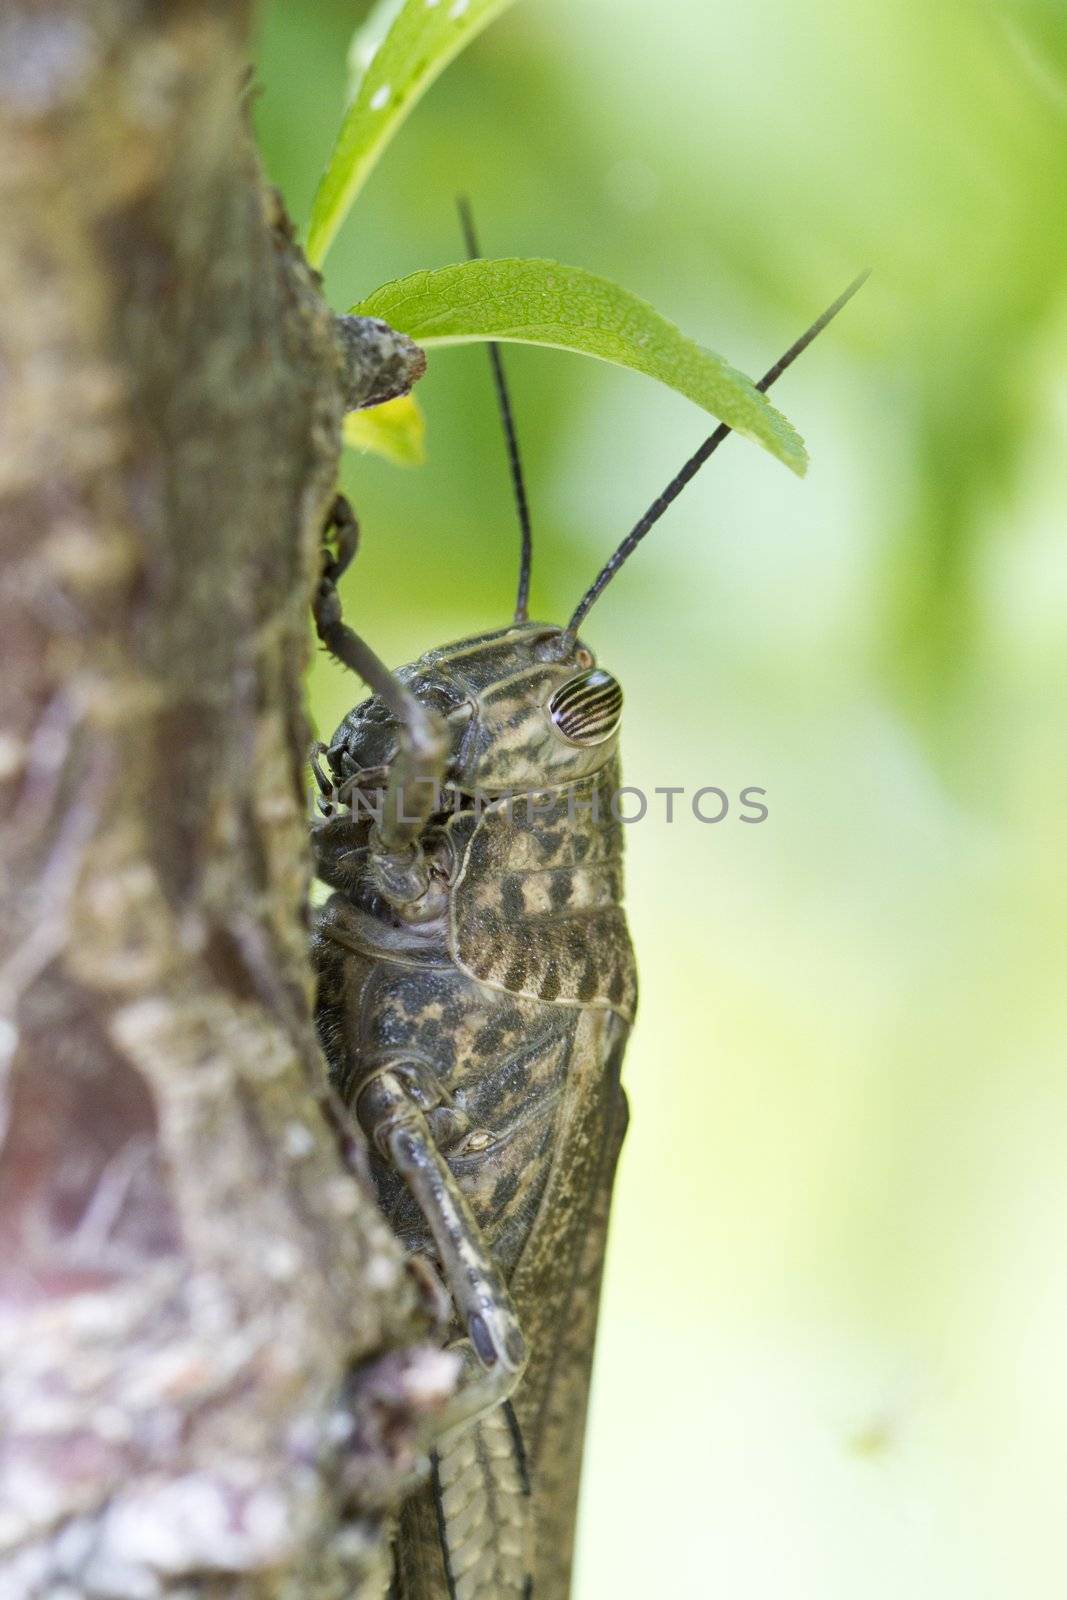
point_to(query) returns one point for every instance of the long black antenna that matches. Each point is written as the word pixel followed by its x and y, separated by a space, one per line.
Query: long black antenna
pixel 522 597
pixel 692 467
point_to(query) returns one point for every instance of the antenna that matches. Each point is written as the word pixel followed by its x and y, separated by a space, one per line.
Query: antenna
pixel 522 597
pixel 692 467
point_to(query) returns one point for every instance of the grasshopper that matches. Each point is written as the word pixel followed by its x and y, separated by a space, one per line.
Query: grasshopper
pixel 476 987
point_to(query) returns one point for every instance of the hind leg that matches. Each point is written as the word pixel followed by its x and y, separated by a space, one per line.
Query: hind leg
pixel 493 1353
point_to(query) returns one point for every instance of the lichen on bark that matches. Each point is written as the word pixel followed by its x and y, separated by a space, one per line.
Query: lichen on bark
pixel 212 1359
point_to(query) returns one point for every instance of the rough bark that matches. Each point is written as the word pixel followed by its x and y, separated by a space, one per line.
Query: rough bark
pixel 196 1290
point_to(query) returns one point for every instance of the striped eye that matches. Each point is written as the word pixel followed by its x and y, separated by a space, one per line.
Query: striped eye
pixel 587 709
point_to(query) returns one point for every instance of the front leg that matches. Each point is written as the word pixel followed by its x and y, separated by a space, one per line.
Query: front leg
pixel 493 1354
pixel 414 783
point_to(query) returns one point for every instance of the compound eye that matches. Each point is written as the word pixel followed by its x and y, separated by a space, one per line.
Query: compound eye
pixel 587 709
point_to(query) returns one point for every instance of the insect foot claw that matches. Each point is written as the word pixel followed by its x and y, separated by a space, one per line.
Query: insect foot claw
pixel 327 605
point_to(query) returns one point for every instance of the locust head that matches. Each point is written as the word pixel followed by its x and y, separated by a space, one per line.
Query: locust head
pixel 522 708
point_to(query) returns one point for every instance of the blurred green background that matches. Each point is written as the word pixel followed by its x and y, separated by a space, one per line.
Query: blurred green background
pixel 835 1315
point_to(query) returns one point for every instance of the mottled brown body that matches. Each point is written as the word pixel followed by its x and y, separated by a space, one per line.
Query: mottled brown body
pixel 477 987
pixel 504 1007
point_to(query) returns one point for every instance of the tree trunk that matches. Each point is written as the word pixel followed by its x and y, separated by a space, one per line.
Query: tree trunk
pixel 197 1295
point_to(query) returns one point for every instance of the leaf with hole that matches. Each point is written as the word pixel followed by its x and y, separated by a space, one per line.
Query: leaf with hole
pixel 423 39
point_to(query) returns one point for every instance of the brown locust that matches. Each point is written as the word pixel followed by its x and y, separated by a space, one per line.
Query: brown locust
pixel 476 991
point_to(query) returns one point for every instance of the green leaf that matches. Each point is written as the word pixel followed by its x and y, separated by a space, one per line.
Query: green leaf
pixel 395 430
pixel 421 42
pixel 367 41
pixel 541 302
